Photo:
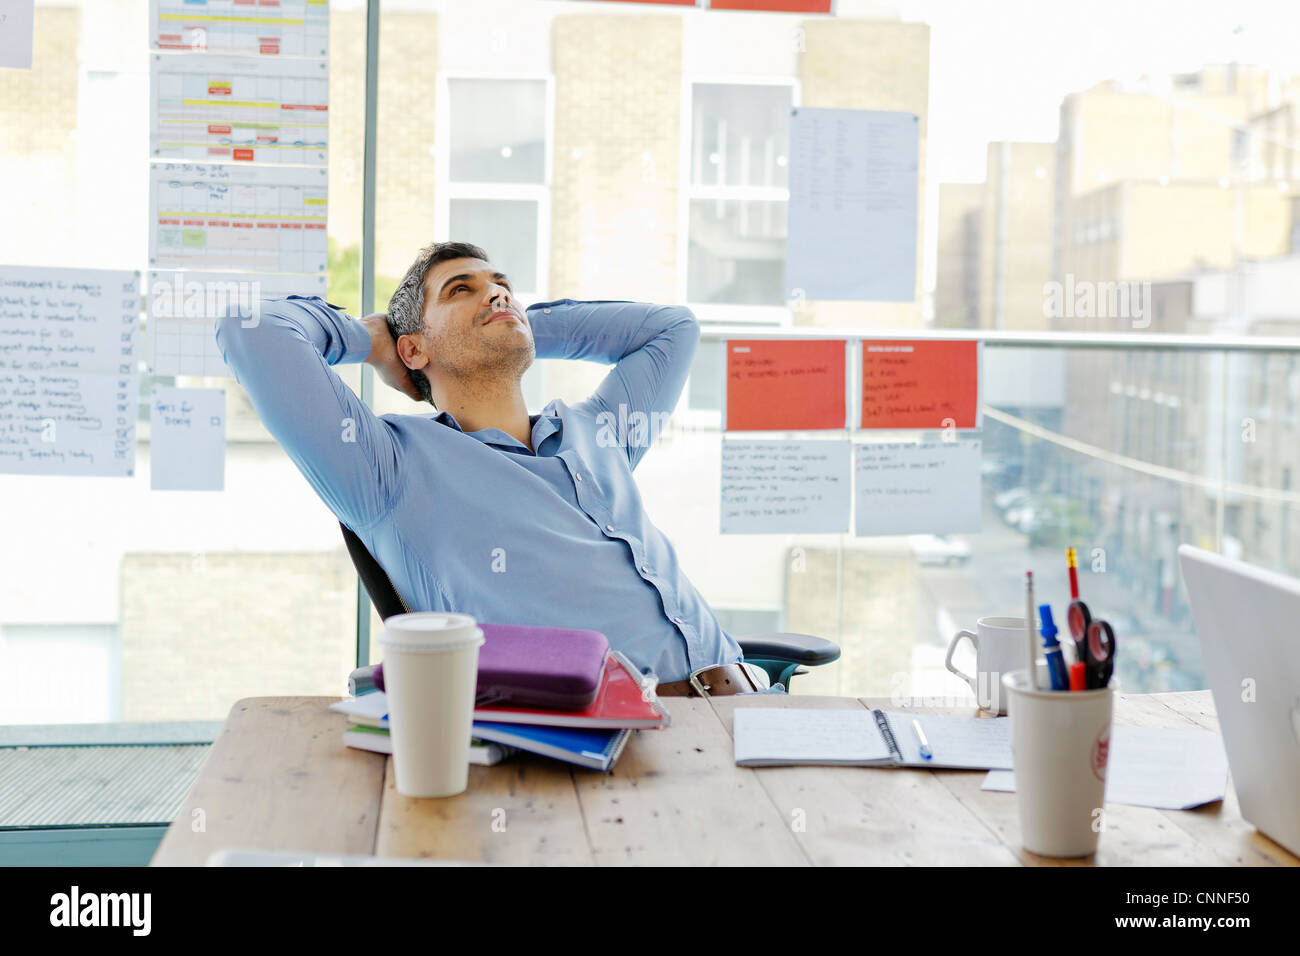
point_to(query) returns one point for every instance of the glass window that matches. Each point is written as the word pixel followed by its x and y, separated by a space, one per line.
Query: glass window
pixel 507 231
pixel 498 131
pixel 741 135
pixel 497 193
pixel 737 193
pixel 736 252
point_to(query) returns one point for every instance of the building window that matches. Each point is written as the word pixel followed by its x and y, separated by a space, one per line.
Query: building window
pixel 735 200
pixel 494 173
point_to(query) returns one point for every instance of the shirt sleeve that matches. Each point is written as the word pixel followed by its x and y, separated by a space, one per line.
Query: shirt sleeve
pixel 650 346
pixel 282 355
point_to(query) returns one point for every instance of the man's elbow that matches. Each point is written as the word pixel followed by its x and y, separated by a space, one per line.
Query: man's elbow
pixel 236 327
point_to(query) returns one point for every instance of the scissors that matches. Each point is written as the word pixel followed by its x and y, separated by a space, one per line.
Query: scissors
pixel 1078 618
pixel 1098 655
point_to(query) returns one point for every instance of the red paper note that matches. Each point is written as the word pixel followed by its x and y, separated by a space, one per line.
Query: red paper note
pixel 785 385
pixel 920 384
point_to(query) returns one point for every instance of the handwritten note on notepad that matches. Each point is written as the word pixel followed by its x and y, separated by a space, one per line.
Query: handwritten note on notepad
pixel 785 487
pixel 920 384
pixel 1154 767
pixel 187 439
pixel 68 378
pixel 916 488
pixel 771 736
pixel 785 385
pixel 853 205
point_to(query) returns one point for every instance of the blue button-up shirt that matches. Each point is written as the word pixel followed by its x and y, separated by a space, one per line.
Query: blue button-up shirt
pixel 476 522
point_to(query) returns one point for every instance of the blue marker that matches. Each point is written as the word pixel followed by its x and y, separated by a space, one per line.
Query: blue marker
pixel 1052 650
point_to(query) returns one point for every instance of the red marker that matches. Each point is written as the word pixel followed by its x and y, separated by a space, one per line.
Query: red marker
pixel 1078 677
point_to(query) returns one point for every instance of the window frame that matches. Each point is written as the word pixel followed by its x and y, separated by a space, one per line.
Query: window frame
pixel 445 189
pixel 713 312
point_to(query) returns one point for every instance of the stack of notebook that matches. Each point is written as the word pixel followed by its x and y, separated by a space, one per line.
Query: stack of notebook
pixel 559 693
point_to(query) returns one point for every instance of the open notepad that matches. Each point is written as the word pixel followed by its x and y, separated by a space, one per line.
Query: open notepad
pixel 773 736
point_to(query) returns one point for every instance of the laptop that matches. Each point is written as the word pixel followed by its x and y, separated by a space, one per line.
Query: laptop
pixel 1246 620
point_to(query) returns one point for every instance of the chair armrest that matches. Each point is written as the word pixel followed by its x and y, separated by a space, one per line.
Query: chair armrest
pixel 794 648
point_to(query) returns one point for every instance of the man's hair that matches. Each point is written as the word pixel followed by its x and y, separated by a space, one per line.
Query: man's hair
pixel 406 307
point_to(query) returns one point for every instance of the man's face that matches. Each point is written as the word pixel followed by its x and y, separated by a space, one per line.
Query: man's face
pixel 472 324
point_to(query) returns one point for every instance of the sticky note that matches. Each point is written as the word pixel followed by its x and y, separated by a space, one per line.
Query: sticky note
pixel 916 487
pixel 785 487
pixel 785 384
pixel 187 439
pixel 920 383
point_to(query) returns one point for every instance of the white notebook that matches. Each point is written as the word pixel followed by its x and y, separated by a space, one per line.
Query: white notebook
pixel 776 736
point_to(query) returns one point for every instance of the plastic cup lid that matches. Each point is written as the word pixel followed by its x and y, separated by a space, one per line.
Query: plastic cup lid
pixel 431 631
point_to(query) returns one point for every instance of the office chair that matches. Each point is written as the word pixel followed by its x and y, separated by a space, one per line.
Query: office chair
pixel 782 655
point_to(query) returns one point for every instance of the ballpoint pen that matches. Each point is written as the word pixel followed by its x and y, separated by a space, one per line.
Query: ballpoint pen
pixel 926 752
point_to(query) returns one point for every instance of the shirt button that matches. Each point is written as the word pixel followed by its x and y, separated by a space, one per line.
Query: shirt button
pixel 547 311
pixel 578 476
pixel 644 569
pixel 677 621
pixel 609 527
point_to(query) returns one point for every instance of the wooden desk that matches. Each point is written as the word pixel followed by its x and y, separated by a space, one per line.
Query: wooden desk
pixel 279 778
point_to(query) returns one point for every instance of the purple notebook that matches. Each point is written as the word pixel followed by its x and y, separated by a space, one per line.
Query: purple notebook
pixel 526 666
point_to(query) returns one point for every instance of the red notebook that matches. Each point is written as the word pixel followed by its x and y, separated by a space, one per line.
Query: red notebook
pixel 621 702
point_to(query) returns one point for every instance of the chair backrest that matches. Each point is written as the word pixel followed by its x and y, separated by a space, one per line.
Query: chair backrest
pixel 382 593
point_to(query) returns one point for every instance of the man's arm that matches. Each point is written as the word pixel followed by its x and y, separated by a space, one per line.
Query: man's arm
pixel 651 347
pixel 282 357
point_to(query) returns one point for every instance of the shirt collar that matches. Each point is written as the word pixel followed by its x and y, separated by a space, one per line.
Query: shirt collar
pixel 544 425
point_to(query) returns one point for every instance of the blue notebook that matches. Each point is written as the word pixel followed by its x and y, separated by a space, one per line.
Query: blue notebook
pixel 594 749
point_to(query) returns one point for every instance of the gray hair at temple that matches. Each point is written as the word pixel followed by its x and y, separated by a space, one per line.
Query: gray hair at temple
pixel 406 307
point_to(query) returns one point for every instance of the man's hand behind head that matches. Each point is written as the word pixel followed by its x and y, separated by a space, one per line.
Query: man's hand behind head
pixel 383 356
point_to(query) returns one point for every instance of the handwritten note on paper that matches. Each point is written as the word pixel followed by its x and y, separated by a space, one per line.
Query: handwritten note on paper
pixel 187 439
pixel 17 22
pixel 916 488
pixel 183 307
pixel 785 384
pixel 853 205
pixel 68 378
pixel 785 487
pixel 920 384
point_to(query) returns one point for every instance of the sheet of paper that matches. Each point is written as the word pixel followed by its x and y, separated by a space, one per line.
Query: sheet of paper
pixel 957 742
pixel 183 307
pixel 1154 767
pixel 798 735
pixel 245 109
pixel 68 377
pixel 785 384
pixel 288 27
pixel 853 205
pixel 920 383
pixel 187 439
pixel 785 487
pixel 17 25
pixel 247 218
pixel 916 488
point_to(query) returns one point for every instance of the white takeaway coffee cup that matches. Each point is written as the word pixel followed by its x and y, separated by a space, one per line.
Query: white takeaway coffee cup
pixel 1060 745
pixel 430 676
pixel 1000 644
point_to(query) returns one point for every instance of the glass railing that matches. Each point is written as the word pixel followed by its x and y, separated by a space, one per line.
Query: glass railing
pixel 1122 446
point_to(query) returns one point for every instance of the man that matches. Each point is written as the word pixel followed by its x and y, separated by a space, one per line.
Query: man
pixel 482 508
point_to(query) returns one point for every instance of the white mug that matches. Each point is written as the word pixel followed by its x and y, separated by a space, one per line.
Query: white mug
pixel 999 649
